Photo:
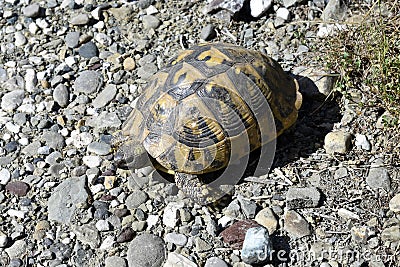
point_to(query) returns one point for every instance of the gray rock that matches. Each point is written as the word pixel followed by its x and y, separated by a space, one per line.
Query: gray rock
pixel 232 6
pixel 105 96
pixel 175 238
pixel 146 250
pixel 20 39
pixel 257 246
pixel 175 260
pixel 72 39
pixel 65 198
pixel 135 199
pixel 61 95
pixel 378 177
pixel 151 22
pixel 143 4
pixel 296 225
pixel 106 120
pixel 248 207
pixel 103 39
pixel 334 10
pixel 391 234
pixel 88 50
pixel 267 218
pixel 53 139
pixel 215 262
pixel 88 82
pixel 259 7
pixel 115 261
pixel 87 234
pixel 338 142
pixel 12 100
pixel 323 80
pixel 17 250
pixel 394 204
pixel 307 197
pixel 99 148
pixel 146 71
pixel 362 142
pixel 31 11
pixel 208 32
pixel 80 19
pixel 233 209
pixel 201 245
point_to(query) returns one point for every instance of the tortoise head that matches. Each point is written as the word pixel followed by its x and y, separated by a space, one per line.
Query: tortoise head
pixel 128 153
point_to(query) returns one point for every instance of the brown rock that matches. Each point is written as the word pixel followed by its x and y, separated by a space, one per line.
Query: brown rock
pixel 126 235
pixel 17 188
pixel 235 234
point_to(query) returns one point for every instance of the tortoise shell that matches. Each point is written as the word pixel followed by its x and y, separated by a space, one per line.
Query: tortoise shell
pixel 211 98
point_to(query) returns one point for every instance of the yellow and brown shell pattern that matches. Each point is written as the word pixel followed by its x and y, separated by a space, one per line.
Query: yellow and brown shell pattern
pixel 192 112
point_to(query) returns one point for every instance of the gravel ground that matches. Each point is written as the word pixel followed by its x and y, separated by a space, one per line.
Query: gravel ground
pixel 69 74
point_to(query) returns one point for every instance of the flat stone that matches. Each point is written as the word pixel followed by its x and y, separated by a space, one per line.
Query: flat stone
pixel 146 250
pixel 88 82
pixel 232 6
pixel 235 234
pixel 135 199
pixel 87 234
pixel 267 218
pixel 175 238
pixel 106 120
pixel 105 96
pixel 115 261
pixel 151 22
pixel 307 197
pixel 17 188
pixel 12 100
pixel 88 50
pixel 99 148
pixel 378 177
pixel 103 225
pixel 80 19
pixel 296 225
pixel 337 142
pixel 72 39
pixel 259 7
pixel 324 81
pixel 53 140
pixel 176 260
pixel 215 262
pixel 61 95
pixel 65 198
pixel 201 245
pixel 257 246
pixel 359 234
pixel 30 80
pixel 5 176
pixel 208 32
pixel 347 214
pixel 31 11
pixel 91 161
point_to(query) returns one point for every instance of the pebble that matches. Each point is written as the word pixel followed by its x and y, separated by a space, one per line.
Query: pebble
pixel 79 20
pixel 99 148
pixel 296 225
pixel 12 100
pixel 146 250
pixel 259 7
pixel 40 229
pixel 347 215
pixel 333 11
pixel 215 262
pixel 20 39
pixel 151 22
pixel 176 260
pixel 129 64
pixel 394 203
pixel 175 238
pixel 88 50
pixel 201 245
pixel 87 234
pixel 391 234
pixel 267 218
pixel 135 199
pixel 283 13
pixel 31 11
pixel 359 234
pixel 91 161
pixel 248 207
pixel 257 246
pixel 126 235
pixel 61 95
pixel 30 80
pixel 208 32
pixel 17 188
pixel 105 96
pixel 378 177
pixel 65 199
pixel 72 39
pixel 235 234
pixel 3 240
pixel 17 249
pixel 103 225
pixel 337 142
pixel 5 176
pixel 103 39
pixel 289 3
pixel 88 82
pixel 171 214
pixel 362 142
pixel 115 261
pixel 306 197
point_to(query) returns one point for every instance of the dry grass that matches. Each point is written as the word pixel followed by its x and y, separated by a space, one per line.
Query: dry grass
pixel 367 55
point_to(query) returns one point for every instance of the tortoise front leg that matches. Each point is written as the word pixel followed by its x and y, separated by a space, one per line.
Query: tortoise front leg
pixel 193 187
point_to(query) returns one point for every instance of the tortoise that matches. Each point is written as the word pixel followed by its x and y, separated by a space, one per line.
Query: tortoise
pixel 209 99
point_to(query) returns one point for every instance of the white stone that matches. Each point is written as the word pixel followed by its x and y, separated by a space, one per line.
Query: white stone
pixel 107 243
pixel 151 10
pixel 20 39
pixel 91 161
pixel 394 204
pixel 152 220
pixel 103 225
pixel 71 61
pixel 23 141
pixel 347 214
pixel 16 213
pixel 96 188
pixel 362 142
pixel 282 13
pixel 224 221
pixel 5 176
pixel 177 260
pixel 259 7
pixel 12 127
pixel 33 28
pixel 30 80
pixel 171 214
